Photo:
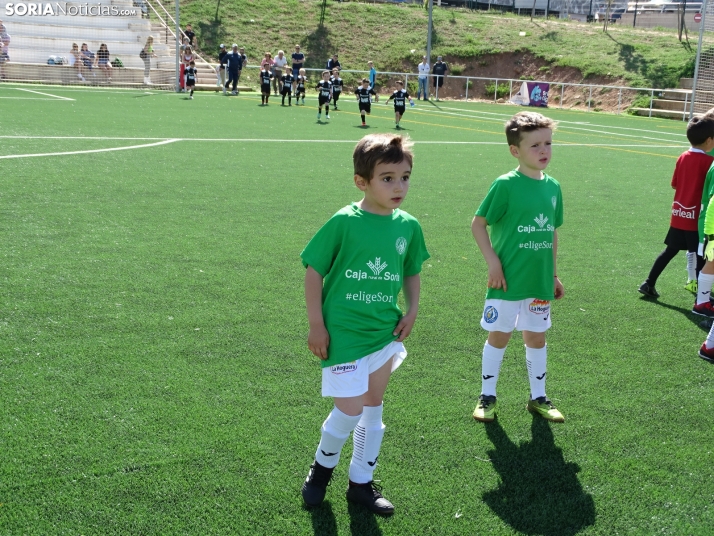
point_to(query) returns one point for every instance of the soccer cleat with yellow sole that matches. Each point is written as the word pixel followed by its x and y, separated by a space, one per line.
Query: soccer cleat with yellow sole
pixel 691 286
pixel 485 409
pixel 545 408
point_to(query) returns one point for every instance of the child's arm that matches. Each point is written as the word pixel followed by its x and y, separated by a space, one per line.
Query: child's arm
pixel 496 279
pixel 559 290
pixel 412 285
pixel 318 338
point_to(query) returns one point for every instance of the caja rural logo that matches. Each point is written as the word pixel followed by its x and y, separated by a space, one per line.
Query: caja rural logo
pixel 539 307
pixel 541 221
pixel 377 266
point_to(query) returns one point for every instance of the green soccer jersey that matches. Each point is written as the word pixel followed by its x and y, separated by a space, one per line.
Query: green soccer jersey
pixel 363 258
pixel 707 194
pixel 523 214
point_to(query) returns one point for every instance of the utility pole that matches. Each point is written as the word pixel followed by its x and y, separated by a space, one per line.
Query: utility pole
pixel 634 20
pixel 428 35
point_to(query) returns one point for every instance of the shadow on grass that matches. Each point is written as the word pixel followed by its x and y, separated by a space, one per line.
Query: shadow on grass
pixel 701 321
pixel 539 492
pixel 323 520
pixel 362 521
pixel 432 102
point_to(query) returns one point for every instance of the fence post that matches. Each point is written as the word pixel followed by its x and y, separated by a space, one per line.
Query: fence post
pixel 619 101
pixel 406 82
pixel 467 88
pixel 590 97
pixel 437 86
pixel 495 91
pixel 510 89
pixel 651 101
pixel 684 113
pixel 562 94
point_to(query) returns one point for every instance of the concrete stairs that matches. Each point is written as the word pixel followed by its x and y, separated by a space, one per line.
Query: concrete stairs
pixel 670 103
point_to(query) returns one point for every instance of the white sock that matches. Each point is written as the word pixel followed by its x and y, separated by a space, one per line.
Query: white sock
pixel 367 442
pixel 709 343
pixel 536 363
pixel 704 287
pixel 490 368
pixel 335 431
pixel 691 265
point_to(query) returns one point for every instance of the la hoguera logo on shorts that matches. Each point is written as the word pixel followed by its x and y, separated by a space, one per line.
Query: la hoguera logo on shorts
pixel 344 368
pixel 44 9
pixel 539 307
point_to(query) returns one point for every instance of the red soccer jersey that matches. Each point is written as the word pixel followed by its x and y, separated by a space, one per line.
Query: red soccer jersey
pixel 688 183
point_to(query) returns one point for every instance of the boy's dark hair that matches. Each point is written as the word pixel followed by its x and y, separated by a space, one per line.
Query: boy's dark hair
pixel 376 149
pixel 526 122
pixel 192 62
pixel 699 129
pixel 365 80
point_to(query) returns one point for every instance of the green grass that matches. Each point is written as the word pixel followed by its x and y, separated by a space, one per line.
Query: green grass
pixel 387 34
pixel 154 375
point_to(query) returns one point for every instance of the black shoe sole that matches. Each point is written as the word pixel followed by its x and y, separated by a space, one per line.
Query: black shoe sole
pixel 706 357
pixel 648 294
pixel 702 314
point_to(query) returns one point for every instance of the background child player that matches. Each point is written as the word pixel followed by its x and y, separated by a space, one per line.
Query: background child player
pixel 357 263
pixel 688 183
pixel 190 74
pixel 266 75
pixel 337 84
pixel 324 94
pixel 705 281
pixel 287 88
pixel 364 100
pixel 707 349
pixel 300 82
pixel 400 97
pixel 524 209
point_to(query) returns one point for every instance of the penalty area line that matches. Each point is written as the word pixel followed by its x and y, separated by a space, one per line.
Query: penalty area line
pixel 45 94
pixel 109 149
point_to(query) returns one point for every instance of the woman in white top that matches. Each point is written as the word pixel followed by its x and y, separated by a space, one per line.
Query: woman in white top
pixel 279 62
pixel 75 60
pixel 423 79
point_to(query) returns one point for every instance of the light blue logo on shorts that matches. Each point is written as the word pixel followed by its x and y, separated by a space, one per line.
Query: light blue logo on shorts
pixel 490 314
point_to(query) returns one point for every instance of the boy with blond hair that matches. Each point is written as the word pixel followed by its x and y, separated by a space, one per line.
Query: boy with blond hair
pixel 524 209
pixel 357 263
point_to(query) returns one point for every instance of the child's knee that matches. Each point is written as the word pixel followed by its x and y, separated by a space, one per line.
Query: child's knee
pixel 534 339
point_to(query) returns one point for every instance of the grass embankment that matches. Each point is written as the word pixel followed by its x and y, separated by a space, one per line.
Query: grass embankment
pixel 394 36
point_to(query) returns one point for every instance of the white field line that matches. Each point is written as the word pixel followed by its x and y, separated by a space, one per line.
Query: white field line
pixel 45 94
pixel 90 151
pixel 28 98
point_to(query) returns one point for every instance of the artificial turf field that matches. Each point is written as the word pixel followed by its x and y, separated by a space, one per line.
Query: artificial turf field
pixel 154 375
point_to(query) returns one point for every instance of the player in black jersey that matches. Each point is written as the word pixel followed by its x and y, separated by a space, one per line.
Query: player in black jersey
pixel 300 82
pixel 337 84
pixel 364 99
pixel 287 89
pixel 190 75
pixel 324 94
pixel 266 75
pixel 400 96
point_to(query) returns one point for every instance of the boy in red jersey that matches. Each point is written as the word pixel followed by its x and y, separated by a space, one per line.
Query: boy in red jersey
pixel 688 182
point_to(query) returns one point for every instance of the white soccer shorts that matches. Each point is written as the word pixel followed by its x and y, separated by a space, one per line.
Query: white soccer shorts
pixel 352 379
pixel 523 315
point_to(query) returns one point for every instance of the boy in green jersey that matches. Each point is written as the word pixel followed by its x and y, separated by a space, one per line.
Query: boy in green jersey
pixel 705 279
pixel 524 208
pixel 356 265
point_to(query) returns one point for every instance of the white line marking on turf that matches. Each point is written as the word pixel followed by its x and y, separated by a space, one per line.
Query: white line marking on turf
pixel 91 150
pixel 45 94
pixel 27 98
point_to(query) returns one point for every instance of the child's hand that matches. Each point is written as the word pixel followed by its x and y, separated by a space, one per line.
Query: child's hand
pixel 318 339
pixel 404 327
pixel 496 279
pixel 559 290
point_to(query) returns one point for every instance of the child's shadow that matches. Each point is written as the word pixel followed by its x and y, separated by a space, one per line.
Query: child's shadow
pixel 539 492
pixel 362 521
pixel 323 520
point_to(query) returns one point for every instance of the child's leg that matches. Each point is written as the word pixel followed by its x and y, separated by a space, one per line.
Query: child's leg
pixel 706 280
pixel 660 264
pixel 362 114
pixel 336 429
pixel 691 265
pixel 491 361
pixel 327 109
pixel 290 99
pixel 536 358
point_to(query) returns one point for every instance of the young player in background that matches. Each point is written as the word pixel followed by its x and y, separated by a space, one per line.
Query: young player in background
pixel 356 326
pixel 400 97
pixel 191 75
pixel 707 349
pixel 688 183
pixel 300 82
pixel 287 86
pixel 524 209
pixel 324 94
pixel 266 75
pixel 364 95
pixel 337 85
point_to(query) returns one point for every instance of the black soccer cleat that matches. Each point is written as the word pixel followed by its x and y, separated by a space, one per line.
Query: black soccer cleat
pixel 648 290
pixel 369 496
pixel 315 486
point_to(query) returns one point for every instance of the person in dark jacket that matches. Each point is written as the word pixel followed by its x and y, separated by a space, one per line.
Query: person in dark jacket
pixel 234 65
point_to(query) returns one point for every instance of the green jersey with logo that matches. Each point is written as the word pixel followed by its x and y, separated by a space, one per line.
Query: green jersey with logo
pixel 363 258
pixel 707 194
pixel 523 214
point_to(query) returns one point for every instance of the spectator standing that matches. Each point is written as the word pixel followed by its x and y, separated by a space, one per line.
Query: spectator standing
pixel 146 54
pixel 103 61
pixel 222 67
pixel 182 66
pixel 4 37
pixel 243 59
pixel 298 60
pixel 372 74
pixel 267 60
pixel 279 63
pixel 3 59
pixel 75 60
pixel 88 58
pixel 333 63
pixel 234 65
pixel 439 72
pixel 424 69
pixel 191 36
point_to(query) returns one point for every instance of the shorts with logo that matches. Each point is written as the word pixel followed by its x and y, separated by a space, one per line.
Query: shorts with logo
pixel 400 110
pixel 682 240
pixel 366 106
pixel 321 101
pixel 352 379
pixel 524 315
